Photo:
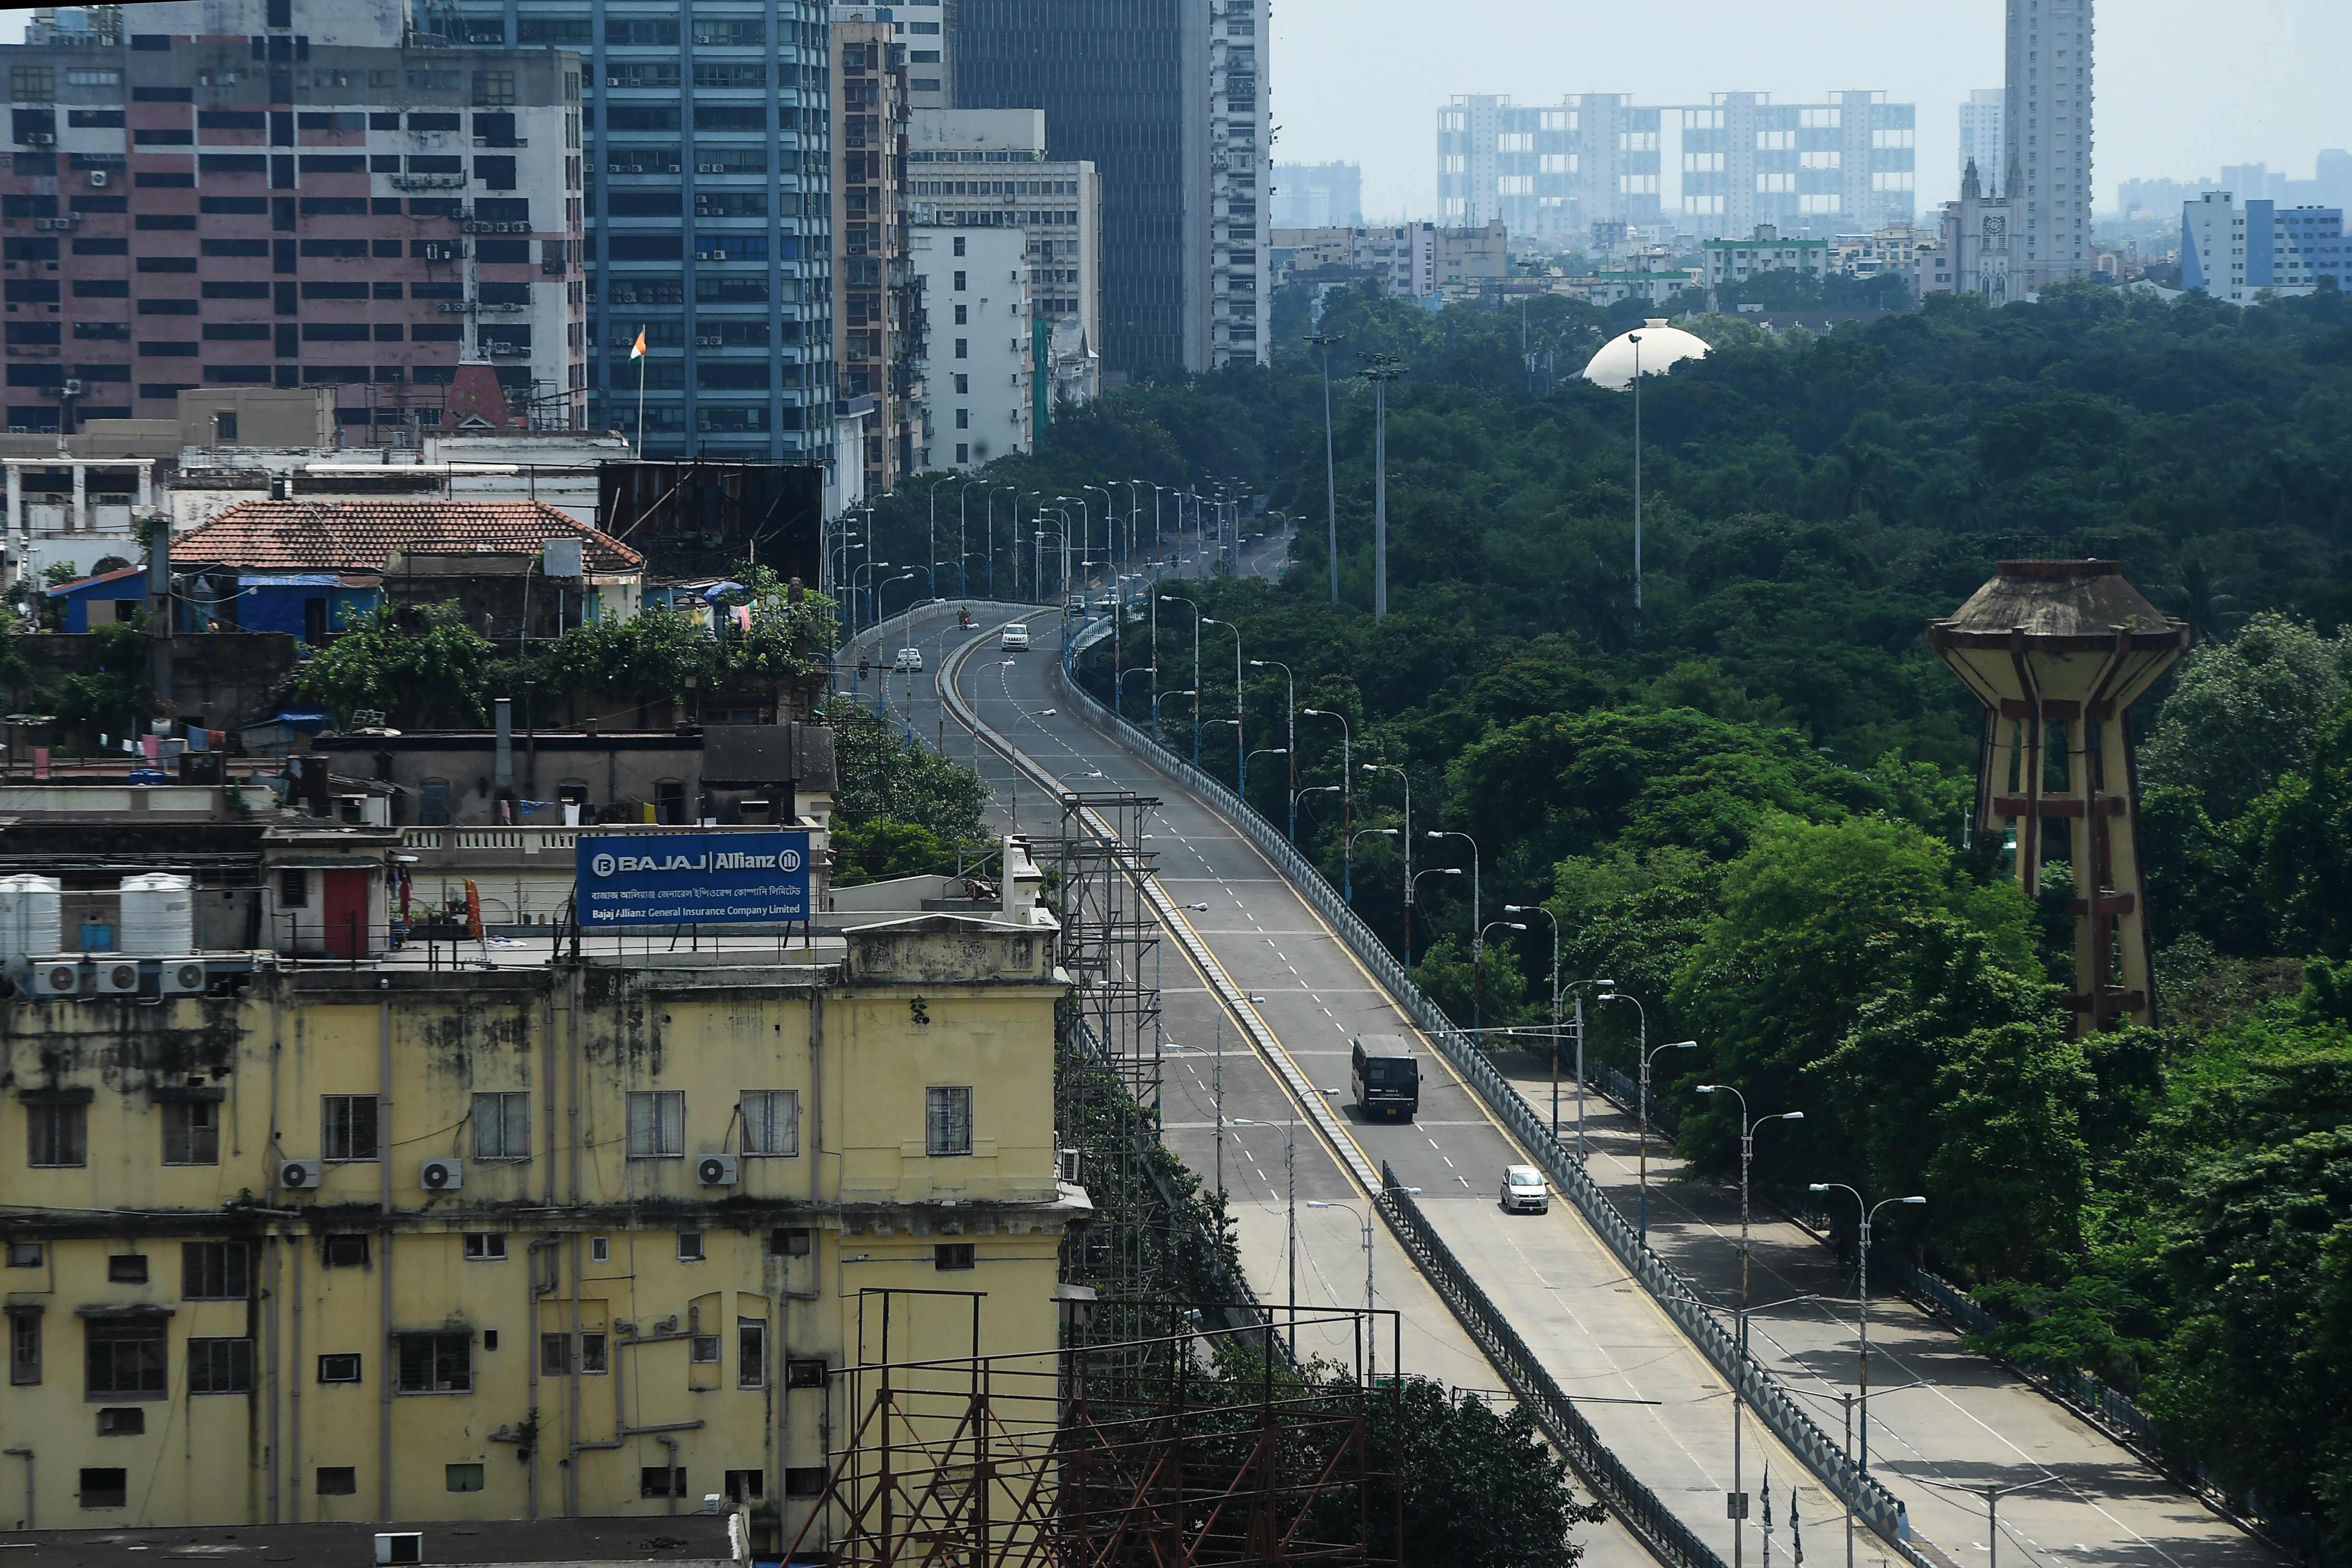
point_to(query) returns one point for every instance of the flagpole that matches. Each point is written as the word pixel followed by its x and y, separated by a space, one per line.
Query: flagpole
pixel 640 392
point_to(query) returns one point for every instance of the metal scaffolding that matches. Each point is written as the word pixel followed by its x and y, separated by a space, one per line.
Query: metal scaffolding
pixel 1182 1447
pixel 1113 1034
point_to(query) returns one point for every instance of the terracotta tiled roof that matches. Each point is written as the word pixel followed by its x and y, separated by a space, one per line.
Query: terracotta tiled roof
pixel 367 536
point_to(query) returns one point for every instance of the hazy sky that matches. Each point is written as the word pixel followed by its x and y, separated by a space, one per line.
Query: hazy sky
pixel 2184 86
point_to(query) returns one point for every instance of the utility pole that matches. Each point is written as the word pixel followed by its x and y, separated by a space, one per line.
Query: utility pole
pixel 1330 483
pixel 1380 370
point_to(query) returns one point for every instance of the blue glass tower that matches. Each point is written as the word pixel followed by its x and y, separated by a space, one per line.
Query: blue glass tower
pixel 708 216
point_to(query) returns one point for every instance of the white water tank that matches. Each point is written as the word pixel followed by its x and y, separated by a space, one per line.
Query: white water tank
pixel 159 914
pixel 32 915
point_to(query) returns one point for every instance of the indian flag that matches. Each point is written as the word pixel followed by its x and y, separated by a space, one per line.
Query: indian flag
pixel 637 349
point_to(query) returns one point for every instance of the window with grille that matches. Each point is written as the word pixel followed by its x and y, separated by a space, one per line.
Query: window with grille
pixel 105 1489
pixel 191 1132
pixel 220 1366
pixel 25 1347
pixel 947 1121
pixel 952 1255
pixel 772 1121
pixel 436 1363
pixel 657 1125
pixel 502 1127
pixel 485 1246
pixel 58 1134
pixel 347 1127
pixel 213 1271
pixel 751 1353
pixel 125 1358
pixel 689 1246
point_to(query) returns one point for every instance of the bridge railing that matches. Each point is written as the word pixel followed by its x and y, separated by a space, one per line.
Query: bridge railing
pixel 1699 1319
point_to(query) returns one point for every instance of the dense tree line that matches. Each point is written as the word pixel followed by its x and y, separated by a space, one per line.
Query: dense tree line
pixel 1746 799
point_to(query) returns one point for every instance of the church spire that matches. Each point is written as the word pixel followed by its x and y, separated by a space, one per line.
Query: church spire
pixel 1971 185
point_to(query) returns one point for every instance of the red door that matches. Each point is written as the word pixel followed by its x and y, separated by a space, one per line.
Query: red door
pixel 346 910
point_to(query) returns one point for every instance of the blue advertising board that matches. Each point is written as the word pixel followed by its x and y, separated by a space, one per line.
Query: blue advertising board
pixel 717 878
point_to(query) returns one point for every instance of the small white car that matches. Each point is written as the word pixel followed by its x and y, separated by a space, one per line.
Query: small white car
pixel 1013 639
pixel 910 662
pixel 1525 1191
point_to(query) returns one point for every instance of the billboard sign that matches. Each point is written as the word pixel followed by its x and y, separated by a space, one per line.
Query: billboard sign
pixel 722 877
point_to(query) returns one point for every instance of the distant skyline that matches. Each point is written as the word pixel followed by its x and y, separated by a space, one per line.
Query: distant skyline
pixel 2183 89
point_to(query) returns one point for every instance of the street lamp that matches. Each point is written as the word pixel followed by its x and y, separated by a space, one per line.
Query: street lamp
pixel 1647 1054
pixel 1290 1204
pixel 1434 870
pixel 1194 606
pixel 863 566
pixel 1290 707
pixel 1324 341
pixel 1261 751
pixel 1545 911
pixel 1477 951
pixel 1992 1496
pixel 1349 892
pixel 1869 1215
pixel 1364 1218
pixel 1240 780
pixel 1347 778
pixel 1159 697
pixel 1748 1127
pixel 1474 907
pixel 1119 690
pixel 1377 767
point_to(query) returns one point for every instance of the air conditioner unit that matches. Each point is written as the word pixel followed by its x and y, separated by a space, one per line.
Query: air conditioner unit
pixel 441 1176
pixel 717 1170
pixel 612 81
pixel 1069 1166
pixel 70 387
pixel 97 177
pixel 401 1546
pixel 673 169
pixel 60 976
pixel 117 976
pixel 302 1175
pixel 40 138
pixel 182 978
pixel 615 168
pixel 706 343
pixel 710 168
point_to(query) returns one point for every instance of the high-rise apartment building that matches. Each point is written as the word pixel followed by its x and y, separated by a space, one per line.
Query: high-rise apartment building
pixel 1168 99
pixel 2047 170
pixel 1983 139
pixel 279 194
pixel 983 342
pixel 927 29
pixel 709 213
pixel 1553 171
pixel 988 168
pixel 1848 162
pixel 1317 196
pixel 876 313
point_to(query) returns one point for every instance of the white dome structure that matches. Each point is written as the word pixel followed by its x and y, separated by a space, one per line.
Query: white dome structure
pixel 1660 349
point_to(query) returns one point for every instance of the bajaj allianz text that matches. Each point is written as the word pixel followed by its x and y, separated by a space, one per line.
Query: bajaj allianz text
pixel 735 878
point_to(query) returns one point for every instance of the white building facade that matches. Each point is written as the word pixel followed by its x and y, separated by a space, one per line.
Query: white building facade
pixel 1553 171
pixel 1983 139
pixel 982 339
pixel 987 168
pixel 1735 261
pixel 1241 174
pixel 2048 130
pixel 1814 167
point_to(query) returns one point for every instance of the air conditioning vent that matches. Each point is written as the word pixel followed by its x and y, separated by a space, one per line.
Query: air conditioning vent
pixel 57 976
pixel 1069 1166
pixel 69 387
pixel 301 1175
pixel 717 1170
pixel 97 177
pixel 182 978
pixel 442 1176
pixel 117 976
pixel 401 1547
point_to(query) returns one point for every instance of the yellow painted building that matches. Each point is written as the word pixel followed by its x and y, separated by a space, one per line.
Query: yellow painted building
pixel 575 1235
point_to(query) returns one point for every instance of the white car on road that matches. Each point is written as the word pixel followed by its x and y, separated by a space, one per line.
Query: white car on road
pixel 1014 638
pixel 910 662
pixel 1525 1191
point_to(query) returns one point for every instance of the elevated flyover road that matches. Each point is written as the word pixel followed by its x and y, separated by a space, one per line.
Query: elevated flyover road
pixel 1652 1397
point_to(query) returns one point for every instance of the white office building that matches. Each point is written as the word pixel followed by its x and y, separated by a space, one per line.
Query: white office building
pixel 1819 168
pixel 1555 171
pixel 926 29
pixel 988 168
pixel 2047 130
pixel 983 342
pixel 1983 142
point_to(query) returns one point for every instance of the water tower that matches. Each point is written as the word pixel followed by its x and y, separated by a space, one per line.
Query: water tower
pixel 2057 651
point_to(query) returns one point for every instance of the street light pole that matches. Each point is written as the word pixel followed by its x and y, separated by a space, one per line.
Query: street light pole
pixel 1349 895
pixel 1383 369
pixel 1241 778
pixel 1434 870
pixel 1330 483
pixel 1747 1157
pixel 1347 778
pixel 1545 911
pixel 1290 707
pixel 1477 909
pixel 1477 950
pixel 1869 1217
pixel 1290 1179
pixel 1407 841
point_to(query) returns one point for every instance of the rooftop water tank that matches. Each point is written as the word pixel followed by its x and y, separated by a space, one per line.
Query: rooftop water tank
pixel 159 914
pixel 32 915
